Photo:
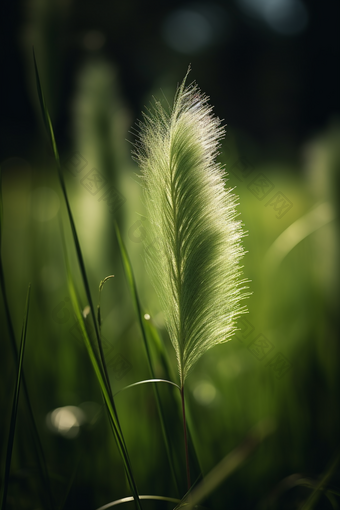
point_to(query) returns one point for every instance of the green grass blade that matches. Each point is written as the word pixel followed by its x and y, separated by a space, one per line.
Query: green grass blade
pixel 15 403
pixel 100 369
pixel 106 391
pixel 41 461
pixel 133 288
pixel 228 465
pixel 49 127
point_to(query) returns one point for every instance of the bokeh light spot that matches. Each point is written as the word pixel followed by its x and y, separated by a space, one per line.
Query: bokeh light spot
pixel 205 393
pixel 287 17
pixel 66 421
pixel 86 311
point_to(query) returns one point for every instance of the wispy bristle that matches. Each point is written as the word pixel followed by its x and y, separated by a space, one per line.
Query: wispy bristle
pixel 193 217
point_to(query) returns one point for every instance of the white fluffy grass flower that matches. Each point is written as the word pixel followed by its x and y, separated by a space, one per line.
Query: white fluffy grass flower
pixel 196 267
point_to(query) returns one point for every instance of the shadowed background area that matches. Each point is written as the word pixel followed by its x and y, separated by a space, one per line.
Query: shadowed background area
pixel 271 69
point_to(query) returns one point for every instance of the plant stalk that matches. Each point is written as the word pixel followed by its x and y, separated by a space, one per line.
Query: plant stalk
pixel 185 438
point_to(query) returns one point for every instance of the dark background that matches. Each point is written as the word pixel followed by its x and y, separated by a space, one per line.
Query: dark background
pixel 278 88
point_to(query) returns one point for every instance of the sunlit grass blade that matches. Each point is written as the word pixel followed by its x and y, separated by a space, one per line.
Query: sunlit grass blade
pixel 100 370
pixel 15 403
pixel 129 499
pixel 147 381
pixel 133 288
pixel 41 461
pixel 103 382
pixel 228 465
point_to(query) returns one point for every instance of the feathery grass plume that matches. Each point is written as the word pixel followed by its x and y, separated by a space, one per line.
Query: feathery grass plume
pixel 196 267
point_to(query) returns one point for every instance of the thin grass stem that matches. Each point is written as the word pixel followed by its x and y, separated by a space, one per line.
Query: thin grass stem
pixel 185 439
pixel 15 404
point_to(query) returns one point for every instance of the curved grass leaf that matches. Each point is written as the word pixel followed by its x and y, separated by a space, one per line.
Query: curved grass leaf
pixel 146 382
pixel 15 403
pixel 129 499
